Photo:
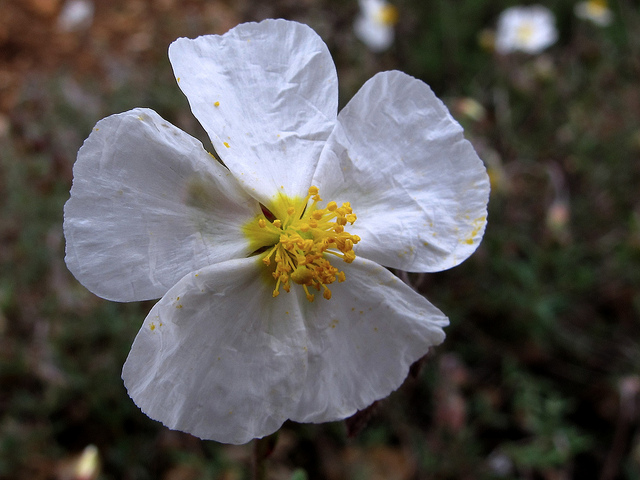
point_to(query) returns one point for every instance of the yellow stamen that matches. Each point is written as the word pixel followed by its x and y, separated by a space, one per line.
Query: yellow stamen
pixel 327 293
pixel 310 296
pixel 301 240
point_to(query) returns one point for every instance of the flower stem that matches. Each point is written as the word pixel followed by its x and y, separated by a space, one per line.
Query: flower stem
pixel 262 448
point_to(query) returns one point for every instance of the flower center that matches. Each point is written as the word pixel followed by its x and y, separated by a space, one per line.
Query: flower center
pixel 387 15
pixel 298 240
pixel 524 33
pixel 597 7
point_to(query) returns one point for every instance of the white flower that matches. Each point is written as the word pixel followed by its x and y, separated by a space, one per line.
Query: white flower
pixel 76 15
pixel 527 29
pixel 374 25
pixel 230 351
pixel 595 10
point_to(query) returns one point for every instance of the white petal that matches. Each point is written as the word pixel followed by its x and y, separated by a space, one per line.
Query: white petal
pixel 149 204
pixel 363 341
pixel 218 357
pixel 267 95
pixel 417 186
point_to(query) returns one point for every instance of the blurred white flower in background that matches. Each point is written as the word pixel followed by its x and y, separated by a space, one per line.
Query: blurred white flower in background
pixel 596 11
pixel 76 15
pixel 374 25
pixel 526 29
pixel 470 108
pixel 87 466
pixel 83 466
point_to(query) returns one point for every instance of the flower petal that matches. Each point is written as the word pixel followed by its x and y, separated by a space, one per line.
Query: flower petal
pixel 148 205
pixel 363 341
pixel 267 95
pixel 417 186
pixel 218 357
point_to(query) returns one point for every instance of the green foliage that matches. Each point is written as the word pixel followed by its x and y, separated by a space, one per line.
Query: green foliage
pixel 299 474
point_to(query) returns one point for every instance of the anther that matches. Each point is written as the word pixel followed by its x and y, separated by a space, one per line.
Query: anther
pixel 327 293
pixel 308 237
pixel 310 296
pixel 349 256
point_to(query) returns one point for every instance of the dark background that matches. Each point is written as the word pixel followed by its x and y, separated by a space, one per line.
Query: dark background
pixel 539 375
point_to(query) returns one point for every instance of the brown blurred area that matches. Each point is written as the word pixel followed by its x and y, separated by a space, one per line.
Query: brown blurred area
pixel 33 41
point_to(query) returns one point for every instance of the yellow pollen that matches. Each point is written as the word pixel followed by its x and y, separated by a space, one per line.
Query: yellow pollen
pixel 310 296
pixel 388 15
pixel 297 245
pixel 597 8
pixel 327 293
pixel 524 32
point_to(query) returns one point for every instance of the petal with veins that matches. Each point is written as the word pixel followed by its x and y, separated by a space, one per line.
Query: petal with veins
pixel 218 357
pixel 363 341
pixel 267 95
pixel 417 186
pixel 148 205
